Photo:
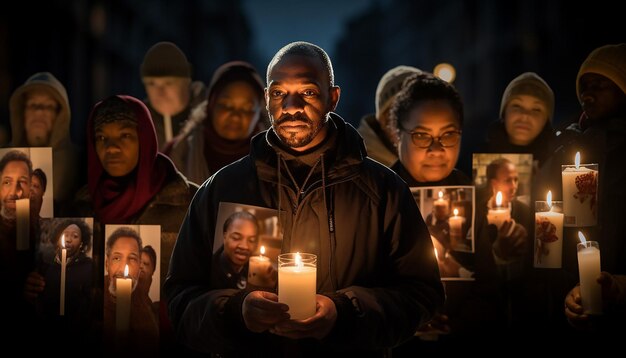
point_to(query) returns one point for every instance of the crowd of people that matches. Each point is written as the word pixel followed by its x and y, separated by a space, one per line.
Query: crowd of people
pixel 340 193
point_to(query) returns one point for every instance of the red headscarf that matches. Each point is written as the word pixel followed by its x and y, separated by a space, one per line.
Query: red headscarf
pixel 117 200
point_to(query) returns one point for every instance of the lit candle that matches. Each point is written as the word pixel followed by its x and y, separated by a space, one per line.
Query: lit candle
pixel 259 270
pixel 548 233
pixel 498 215
pixel 589 272
pixel 297 284
pixel 580 188
pixel 63 265
pixel 456 232
pixel 123 289
pixel 441 207
pixel 22 213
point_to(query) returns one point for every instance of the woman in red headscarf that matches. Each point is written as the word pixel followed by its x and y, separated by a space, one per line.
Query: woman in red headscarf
pixel 129 182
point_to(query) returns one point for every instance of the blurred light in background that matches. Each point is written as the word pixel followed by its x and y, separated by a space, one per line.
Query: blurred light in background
pixel 445 71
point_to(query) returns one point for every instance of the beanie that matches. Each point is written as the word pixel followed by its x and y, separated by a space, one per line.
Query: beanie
pixel 165 59
pixel 608 61
pixel 390 84
pixel 530 84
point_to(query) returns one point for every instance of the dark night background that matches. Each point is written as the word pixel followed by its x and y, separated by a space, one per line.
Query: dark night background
pixel 95 47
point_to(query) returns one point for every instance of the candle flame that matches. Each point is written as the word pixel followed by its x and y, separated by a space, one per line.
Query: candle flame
pixel 577 160
pixel 582 238
pixel 499 199
pixel 456 212
pixel 126 271
pixel 262 250
pixel 440 194
pixel 63 241
pixel 549 198
pixel 299 260
pixel 436 254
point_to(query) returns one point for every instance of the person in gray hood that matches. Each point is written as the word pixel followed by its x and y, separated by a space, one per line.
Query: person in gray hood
pixel 377 278
pixel 40 117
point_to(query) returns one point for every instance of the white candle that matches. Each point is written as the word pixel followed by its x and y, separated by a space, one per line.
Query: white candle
pixel 259 269
pixel 456 232
pixel 498 215
pixel 548 233
pixel 441 207
pixel 580 188
pixel 297 277
pixel 63 266
pixel 123 289
pixel 22 212
pixel 589 272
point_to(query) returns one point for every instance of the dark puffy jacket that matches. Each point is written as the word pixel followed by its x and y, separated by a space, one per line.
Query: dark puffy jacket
pixel 377 265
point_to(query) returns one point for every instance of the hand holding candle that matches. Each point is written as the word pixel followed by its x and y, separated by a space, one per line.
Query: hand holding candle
pixel 297 283
pixel 441 207
pixel 499 214
pixel 260 271
pixel 456 229
pixel 589 272
pixel 63 267
pixel 548 233
pixel 123 290
pixel 580 188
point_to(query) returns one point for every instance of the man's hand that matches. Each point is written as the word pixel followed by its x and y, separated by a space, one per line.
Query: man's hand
pixel 262 311
pixel 318 326
pixel 437 325
pixel 33 286
pixel 574 310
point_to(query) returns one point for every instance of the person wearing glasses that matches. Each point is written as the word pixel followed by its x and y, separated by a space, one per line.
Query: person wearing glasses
pixel 40 117
pixel 427 117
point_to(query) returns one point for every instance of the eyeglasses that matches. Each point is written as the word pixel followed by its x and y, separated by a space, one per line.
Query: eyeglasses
pixel 425 140
pixel 44 107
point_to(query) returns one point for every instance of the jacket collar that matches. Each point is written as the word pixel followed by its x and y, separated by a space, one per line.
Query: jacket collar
pixel 348 152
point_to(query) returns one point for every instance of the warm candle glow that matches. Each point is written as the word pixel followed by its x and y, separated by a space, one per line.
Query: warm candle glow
pixel 456 212
pixel 549 198
pixel 126 271
pixel 577 160
pixel 582 237
pixel 262 250
pixel 299 260
pixel 499 199
pixel 440 194
pixel 63 241
pixel 436 254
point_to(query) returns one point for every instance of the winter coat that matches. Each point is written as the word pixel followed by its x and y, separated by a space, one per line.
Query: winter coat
pixel 378 146
pixel 374 252
pixel 177 154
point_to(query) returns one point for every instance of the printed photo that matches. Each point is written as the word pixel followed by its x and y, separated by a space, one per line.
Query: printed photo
pixel 449 215
pixel 246 247
pixel 64 261
pixel 132 283
pixel 39 185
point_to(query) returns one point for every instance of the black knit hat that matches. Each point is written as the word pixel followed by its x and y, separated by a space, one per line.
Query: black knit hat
pixel 165 59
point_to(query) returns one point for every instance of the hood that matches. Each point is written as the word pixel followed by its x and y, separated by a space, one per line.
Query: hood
pixel 44 81
pixel 349 152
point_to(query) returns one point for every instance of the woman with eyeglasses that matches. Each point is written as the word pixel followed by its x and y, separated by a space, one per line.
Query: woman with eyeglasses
pixel 427 116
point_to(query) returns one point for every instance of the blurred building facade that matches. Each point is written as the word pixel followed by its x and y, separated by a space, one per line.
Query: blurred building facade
pixel 95 47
